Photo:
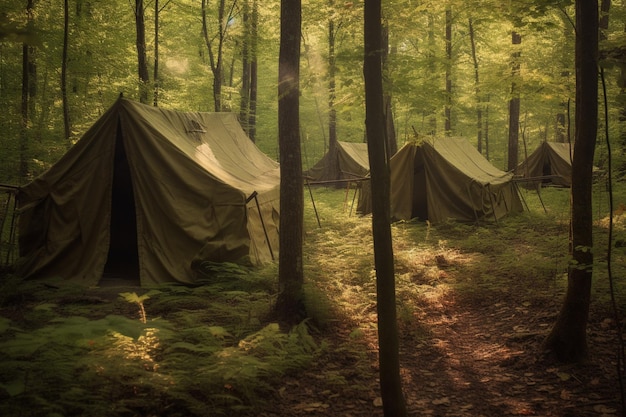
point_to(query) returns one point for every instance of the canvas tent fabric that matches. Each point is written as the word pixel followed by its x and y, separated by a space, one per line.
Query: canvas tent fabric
pixel 550 163
pixel 160 188
pixel 350 161
pixel 446 178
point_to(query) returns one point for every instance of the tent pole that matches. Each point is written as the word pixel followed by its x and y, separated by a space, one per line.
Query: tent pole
pixel 258 207
pixel 493 206
pixel 469 194
pixel 313 202
pixel 357 185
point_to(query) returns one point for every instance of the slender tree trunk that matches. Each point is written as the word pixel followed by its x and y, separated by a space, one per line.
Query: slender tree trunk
pixel 392 141
pixel 332 113
pixel 390 382
pixel 142 59
pixel 487 128
pixel 433 70
pixel 155 75
pixel 514 105
pixel 254 38
pixel 568 338
pixel 66 107
pixel 244 103
pixel 28 89
pixel 290 300
pixel 448 105
pixel 479 110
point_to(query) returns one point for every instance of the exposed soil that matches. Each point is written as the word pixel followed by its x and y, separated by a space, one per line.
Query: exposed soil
pixel 467 356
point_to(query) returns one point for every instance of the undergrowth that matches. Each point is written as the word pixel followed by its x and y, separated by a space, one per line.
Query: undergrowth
pixel 179 351
pixel 209 349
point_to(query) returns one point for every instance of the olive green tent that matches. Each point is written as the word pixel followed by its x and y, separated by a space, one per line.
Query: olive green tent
pixel 349 162
pixel 446 178
pixel 152 191
pixel 550 163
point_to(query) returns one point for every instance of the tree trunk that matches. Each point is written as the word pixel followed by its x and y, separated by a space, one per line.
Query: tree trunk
pixel 290 302
pixel 514 105
pixel 432 69
pixel 332 112
pixel 479 110
pixel 28 90
pixel 142 59
pixel 216 57
pixel 254 38
pixel 155 74
pixel 567 340
pixel 244 102
pixel 392 140
pixel 390 382
pixel 448 105
pixel 66 107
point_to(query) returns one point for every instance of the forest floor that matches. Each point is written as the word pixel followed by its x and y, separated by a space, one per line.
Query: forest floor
pixel 470 357
pixel 474 305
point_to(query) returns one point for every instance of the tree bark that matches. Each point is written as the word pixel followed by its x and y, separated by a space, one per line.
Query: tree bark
pixel 479 110
pixel 155 74
pixel 290 301
pixel 392 140
pixel 244 102
pixel 332 84
pixel 390 382
pixel 66 107
pixel 28 91
pixel 253 71
pixel 567 340
pixel 448 105
pixel 514 105
pixel 142 59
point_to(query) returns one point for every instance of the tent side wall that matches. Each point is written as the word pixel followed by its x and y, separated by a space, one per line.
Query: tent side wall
pixel 65 212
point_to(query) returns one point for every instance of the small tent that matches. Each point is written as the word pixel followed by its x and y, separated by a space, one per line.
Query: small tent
pixel 349 162
pixel 150 191
pixel 447 178
pixel 550 163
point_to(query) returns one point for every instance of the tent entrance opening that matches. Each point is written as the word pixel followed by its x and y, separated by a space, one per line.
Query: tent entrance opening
pixel 123 259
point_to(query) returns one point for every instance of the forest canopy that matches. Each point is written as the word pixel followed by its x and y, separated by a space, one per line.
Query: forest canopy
pixel 446 62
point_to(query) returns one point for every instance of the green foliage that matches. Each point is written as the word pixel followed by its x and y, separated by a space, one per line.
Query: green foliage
pixel 202 351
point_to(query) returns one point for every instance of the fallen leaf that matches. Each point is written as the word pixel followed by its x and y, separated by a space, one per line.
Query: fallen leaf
pixel 441 401
pixel 563 376
pixel 601 408
pixel 378 402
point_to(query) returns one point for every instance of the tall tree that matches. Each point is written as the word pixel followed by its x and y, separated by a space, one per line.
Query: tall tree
pixel 29 86
pixel 392 141
pixel 290 301
pixel 448 105
pixel 66 107
pixel 142 58
pixel 155 73
pixel 244 103
pixel 479 110
pixel 332 91
pixel 568 338
pixel 390 382
pixel 216 53
pixel 514 103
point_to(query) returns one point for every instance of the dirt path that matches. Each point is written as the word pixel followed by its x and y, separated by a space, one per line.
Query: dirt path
pixel 467 358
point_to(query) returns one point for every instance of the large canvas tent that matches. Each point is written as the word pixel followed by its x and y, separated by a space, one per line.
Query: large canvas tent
pixel 350 161
pixel 447 178
pixel 155 189
pixel 550 163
